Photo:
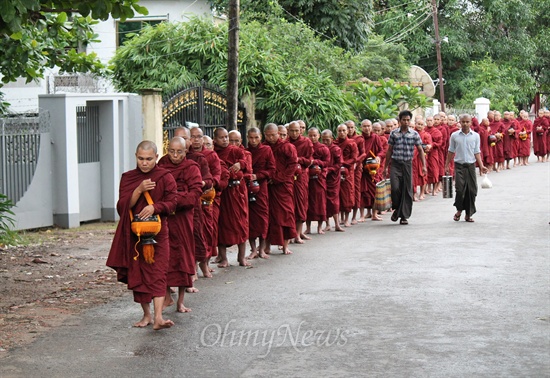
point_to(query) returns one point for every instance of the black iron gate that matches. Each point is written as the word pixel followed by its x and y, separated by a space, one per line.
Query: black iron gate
pixel 201 104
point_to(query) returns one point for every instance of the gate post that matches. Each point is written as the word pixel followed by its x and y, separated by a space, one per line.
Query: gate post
pixel 152 116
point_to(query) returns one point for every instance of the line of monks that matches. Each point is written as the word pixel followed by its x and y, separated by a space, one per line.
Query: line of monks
pixel 265 193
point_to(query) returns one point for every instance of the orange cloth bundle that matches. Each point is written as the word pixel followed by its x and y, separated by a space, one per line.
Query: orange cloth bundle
pixel 146 230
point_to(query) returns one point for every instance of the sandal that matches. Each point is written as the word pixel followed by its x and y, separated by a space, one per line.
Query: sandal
pixel 470 220
pixel 403 221
pixel 457 216
pixel 394 216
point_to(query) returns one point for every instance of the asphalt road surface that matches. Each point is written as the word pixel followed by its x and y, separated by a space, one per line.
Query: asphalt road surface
pixel 435 298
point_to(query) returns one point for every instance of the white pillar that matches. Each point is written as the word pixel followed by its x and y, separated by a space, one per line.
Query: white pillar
pixel 152 117
pixel 436 107
pixel 483 105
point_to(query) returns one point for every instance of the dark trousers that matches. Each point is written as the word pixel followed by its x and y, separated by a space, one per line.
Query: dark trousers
pixel 401 188
pixel 466 188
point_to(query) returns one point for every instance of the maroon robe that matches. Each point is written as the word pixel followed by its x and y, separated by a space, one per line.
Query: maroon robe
pixel 540 128
pixel 304 149
pixel 524 146
pixel 361 155
pixel 547 134
pixel 442 151
pixel 212 212
pixel 282 222
pixel 485 145
pixel 347 186
pixel 233 219
pixel 372 145
pixel 432 157
pixel 317 198
pixel 182 243
pixel 384 142
pixel 263 166
pixel 419 178
pixel 146 280
pixel 509 139
pixel 333 180
pixel 497 127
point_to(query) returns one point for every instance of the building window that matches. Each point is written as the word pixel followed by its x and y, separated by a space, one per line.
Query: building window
pixel 127 29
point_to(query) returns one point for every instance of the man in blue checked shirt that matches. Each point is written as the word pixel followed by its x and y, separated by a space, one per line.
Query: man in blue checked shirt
pixel 401 145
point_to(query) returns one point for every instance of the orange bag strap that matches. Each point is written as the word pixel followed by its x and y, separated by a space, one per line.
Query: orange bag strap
pixel 373 155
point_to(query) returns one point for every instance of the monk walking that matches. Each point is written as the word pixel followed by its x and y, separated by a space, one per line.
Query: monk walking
pixel 372 145
pixel 263 166
pixel 358 172
pixel 317 209
pixel 282 223
pixel 333 180
pixel 234 200
pixel 147 280
pixel 181 268
pixel 347 186
pixel 433 155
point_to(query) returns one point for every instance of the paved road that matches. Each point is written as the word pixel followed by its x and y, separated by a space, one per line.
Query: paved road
pixel 435 298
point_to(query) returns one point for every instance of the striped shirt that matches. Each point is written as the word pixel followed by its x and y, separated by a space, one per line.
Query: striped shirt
pixel 403 144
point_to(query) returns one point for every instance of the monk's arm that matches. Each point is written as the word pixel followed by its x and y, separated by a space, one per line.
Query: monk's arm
pixel 187 199
pixel 169 197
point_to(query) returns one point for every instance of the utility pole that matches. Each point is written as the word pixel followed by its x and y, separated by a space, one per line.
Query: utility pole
pixel 438 54
pixel 233 65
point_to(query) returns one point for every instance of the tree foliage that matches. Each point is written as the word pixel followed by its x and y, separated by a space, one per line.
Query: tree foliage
pixel 291 70
pixel 513 34
pixel 347 22
pixel 40 34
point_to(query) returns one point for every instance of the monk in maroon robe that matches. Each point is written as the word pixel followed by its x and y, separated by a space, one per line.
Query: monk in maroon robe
pixel 510 134
pixel 333 180
pixel 547 116
pixel 317 206
pixel 525 127
pixel 304 149
pixel 372 145
pixel 432 158
pixel 486 143
pixel 282 223
pixel 358 173
pixel 440 123
pixel 146 280
pixel 186 172
pixel 540 128
pixel 498 128
pixel 419 178
pixel 263 168
pixel 347 186
pixel 378 130
pixel 234 200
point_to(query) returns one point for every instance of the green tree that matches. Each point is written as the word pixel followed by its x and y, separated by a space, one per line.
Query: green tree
pixel 40 34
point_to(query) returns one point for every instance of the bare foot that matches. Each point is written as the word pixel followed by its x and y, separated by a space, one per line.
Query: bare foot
pixel 347 224
pixel 308 231
pixel 287 251
pixel 206 271
pixel 304 237
pixel 361 220
pixel 191 290
pixel 167 303
pixel 327 228
pixel 353 221
pixel 320 231
pixel 264 255
pixel 144 322
pixel 163 324
pixel 253 255
pixel 376 218
pixel 299 241
pixel 339 229
pixel 244 262
pixel 223 264
pixel 421 198
pixel 182 308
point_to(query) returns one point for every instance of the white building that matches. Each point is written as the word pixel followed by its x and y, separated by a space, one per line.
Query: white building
pixel 24 97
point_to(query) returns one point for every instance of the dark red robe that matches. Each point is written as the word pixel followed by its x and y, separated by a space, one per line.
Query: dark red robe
pixel 524 146
pixel 233 220
pixel 282 222
pixel 361 155
pixel 372 145
pixel 263 166
pixel 540 128
pixel 333 180
pixel 212 212
pixel 485 145
pixel 304 149
pixel 547 133
pixel 442 151
pixel 146 280
pixel 317 205
pixel 419 178
pixel 347 186
pixel 182 243
pixel 432 157
pixel 510 135
pixel 497 127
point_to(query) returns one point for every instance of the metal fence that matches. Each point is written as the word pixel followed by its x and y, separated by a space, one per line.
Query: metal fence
pixel 19 149
pixel 87 123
